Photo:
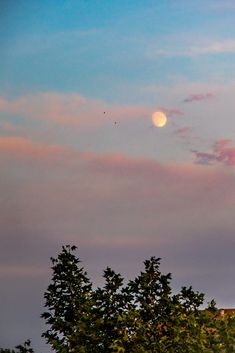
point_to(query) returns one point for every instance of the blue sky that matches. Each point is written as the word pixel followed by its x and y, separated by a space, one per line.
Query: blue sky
pixel 81 161
pixel 95 48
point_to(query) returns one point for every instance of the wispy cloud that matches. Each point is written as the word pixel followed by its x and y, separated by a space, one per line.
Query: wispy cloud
pixel 70 109
pixel 24 147
pixel 9 128
pixel 204 158
pixel 183 132
pixel 171 111
pixel 198 97
pixel 226 46
pixel 119 193
pixel 222 152
pixel 219 47
pixel 221 144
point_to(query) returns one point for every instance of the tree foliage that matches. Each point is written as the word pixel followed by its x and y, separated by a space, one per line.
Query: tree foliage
pixel 21 348
pixel 143 316
pixel 69 300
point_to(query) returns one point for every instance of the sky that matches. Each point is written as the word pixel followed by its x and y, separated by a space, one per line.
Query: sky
pixel 82 163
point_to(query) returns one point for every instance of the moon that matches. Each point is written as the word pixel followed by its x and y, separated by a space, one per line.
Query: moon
pixel 159 119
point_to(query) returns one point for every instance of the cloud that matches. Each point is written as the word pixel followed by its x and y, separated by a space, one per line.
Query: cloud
pixel 58 190
pixel 118 210
pixel 221 152
pixel 221 144
pixel 227 156
pixel 69 109
pixel 104 202
pixel 219 47
pixel 8 128
pixel 172 111
pixel 183 132
pixel 226 46
pixel 205 158
pixel 17 147
pixel 198 97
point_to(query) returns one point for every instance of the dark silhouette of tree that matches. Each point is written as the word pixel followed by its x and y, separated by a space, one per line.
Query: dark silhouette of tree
pixel 69 302
pixel 25 347
pixel 143 316
pixel 21 348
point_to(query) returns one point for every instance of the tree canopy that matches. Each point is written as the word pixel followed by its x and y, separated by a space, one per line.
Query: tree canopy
pixel 142 316
pixel 21 348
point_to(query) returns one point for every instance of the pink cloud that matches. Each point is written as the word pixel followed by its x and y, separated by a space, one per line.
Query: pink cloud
pixel 183 132
pixel 71 109
pixel 24 146
pixel 204 157
pixel 7 127
pixel 221 152
pixel 198 97
pixel 91 198
pixel 115 163
pixel 221 144
pixel 24 149
pixel 227 155
pixel 172 111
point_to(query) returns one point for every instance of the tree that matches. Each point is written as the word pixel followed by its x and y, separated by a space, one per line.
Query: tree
pixel 157 320
pixel 143 316
pixel 109 304
pixel 21 348
pixel 25 347
pixel 150 308
pixel 69 301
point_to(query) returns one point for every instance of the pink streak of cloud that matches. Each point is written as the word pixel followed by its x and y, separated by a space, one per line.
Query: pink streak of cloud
pixel 8 127
pixel 222 152
pixel 221 144
pixel 227 155
pixel 70 109
pixel 205 158
pixel 91 198
pixel 183 132
pixel 24 146
pixel 112 164
pixel 172 111
pixel 19 147
pixel 196 97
